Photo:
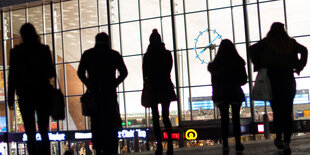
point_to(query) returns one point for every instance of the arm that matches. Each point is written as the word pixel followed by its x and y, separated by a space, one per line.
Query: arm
pixel 301 63
pixel 144 68
pixel 82 70
pixel 12 80
pixel 122 71
pixel 50 65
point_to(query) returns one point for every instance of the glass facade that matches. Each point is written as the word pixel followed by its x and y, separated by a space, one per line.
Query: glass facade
pixel 186 26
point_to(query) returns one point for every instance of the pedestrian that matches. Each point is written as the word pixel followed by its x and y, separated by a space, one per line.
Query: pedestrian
pixel 157 65
pixel 97 70
pixel 278 53
pixel 228 74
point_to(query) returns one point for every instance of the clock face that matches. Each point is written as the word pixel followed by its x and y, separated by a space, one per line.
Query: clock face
pixel 203 42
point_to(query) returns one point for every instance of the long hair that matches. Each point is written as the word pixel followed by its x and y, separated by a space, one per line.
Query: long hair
pixel 227 55
pixel 29 34
pixel 278 39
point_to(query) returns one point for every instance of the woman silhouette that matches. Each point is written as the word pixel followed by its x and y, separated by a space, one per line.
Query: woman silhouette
pixel 279 54
pixel 157 65
pixel 31 69
pixel 228 75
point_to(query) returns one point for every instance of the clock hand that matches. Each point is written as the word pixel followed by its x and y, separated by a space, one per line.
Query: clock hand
pixel 218 36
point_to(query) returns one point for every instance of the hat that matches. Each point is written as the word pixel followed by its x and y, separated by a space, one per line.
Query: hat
pixel 155 37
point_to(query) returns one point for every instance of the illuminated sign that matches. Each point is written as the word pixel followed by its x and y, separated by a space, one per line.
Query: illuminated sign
pixel 52 137
pixel 131 133
pixel 79 135
pixel 191 134
pixel 173 135
pixel 260 128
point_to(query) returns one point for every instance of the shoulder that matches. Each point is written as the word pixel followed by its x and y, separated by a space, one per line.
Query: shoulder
pixel 88 52
pixel 115 55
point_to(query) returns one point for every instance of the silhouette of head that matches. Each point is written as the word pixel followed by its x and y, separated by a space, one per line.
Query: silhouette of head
pixel 155 37
pixel 102 39
pixel 279 39
pixel 29 33
pixel 277 30
pixel 227 52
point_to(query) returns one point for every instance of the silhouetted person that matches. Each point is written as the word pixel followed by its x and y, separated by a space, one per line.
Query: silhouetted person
pixel 157 65
pixel 101 63
pixel 228 75
pixel 31 69
pixel 279 54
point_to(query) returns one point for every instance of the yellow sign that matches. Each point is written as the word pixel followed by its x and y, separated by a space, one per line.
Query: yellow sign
pixel 307 113
pixel 191 134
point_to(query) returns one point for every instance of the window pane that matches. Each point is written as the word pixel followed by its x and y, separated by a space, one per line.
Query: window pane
pixel 74 85
pixel 47 15
pixel 196 5
pixel 88 38
pixel 297 17
pixel 130 46
pixel 195 23
pixel 135 111
pixel 114 11
pixel 70 15
pixel 220 20
pixel 239 24
pixel 88 13
pixel 72 46
pixel 149 8
pixel 253 23
pixel 127 14
pixel 134 79
pixel 35 18
pixel 271 12
pixel 18 19
pixel 199 74
pixel 147 27
pixel 76 119
pixel 218 4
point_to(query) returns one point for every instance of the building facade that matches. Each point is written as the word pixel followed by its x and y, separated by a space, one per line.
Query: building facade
pixel 186 26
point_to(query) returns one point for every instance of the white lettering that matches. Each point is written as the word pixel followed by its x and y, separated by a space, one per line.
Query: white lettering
pixel 87 135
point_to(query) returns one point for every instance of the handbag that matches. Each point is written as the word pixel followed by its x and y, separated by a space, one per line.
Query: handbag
pixel 88 100
pixel 58 104
pixel 146 97
pixel 262 88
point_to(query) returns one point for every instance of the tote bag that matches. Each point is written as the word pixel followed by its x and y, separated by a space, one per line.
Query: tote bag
pixel 262 87
pixel 58 104
pixel 147 97
pixel 89 103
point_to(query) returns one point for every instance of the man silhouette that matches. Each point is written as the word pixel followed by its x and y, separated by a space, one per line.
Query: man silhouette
pixel 101 63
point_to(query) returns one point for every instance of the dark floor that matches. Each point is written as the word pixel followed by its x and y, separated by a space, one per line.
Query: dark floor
pixel 300 146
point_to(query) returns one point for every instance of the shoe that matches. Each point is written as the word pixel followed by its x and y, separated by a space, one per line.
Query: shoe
pixel 278 143
pixel 287 149
pixel 239 148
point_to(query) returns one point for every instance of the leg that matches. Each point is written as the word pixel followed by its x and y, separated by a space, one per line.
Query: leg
pixel 277 123
pixel 168 126
pixel 236 125
pixel 43 121
pixel 224 122
pixel 95 130
pixel 28 115
pixel 156 128
pixel 236 121
pixel 109 141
